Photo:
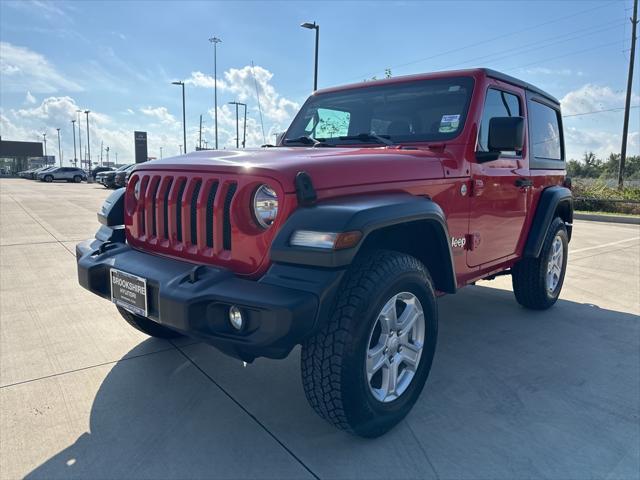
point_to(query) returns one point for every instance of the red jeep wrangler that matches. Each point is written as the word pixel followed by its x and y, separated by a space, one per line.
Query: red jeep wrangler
pixel 379 197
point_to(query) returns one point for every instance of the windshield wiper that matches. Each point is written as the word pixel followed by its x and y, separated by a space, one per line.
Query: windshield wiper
pixel 307 140
pixel 368 136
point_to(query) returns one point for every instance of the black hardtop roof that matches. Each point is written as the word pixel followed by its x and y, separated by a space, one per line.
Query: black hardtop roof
pixel 503 77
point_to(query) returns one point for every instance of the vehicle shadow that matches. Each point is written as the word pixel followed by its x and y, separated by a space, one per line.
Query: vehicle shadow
pixel 512 394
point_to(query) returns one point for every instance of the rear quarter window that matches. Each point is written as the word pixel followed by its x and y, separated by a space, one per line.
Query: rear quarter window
pixel 545 136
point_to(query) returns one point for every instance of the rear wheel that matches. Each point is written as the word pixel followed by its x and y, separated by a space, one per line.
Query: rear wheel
pixel 48 179
pixel 77 179
pixel 537 282
pixel 365 369
pixel 147 326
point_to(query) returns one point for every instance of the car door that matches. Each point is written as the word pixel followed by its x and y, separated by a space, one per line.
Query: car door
pixel 498 202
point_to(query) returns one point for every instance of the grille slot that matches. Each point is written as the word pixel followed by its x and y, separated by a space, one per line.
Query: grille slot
pixel 144 182
pixel 226 225
pixel 179 210
pixel 194 213
pixel 154 207
pixel 166 208
pixel 209 214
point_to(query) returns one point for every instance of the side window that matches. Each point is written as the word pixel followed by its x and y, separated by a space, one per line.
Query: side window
pixel 329 123
pixel 497 104
pixel 545 132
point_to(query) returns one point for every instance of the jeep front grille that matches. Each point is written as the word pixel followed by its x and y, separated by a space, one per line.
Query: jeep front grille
pixel 184 214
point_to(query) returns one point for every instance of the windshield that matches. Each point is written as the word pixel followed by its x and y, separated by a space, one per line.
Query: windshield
pixel 426 110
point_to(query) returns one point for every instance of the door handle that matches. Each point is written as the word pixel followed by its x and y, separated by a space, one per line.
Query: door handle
pixel 524 182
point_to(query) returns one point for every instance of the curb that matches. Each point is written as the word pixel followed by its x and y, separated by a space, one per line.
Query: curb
pixel 594 217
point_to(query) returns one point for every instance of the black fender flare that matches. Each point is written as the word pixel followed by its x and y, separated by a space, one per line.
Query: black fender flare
pixel 550 199
pixel 367 214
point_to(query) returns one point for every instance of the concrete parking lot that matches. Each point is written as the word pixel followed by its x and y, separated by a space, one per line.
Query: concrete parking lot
pixel 512 393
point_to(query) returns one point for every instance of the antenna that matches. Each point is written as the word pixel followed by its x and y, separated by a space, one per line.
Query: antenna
pixel 264 139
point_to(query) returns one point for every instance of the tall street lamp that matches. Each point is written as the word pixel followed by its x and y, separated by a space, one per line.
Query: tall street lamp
pixel 78 112
pixel 75 155
pixel 215 41
pixel 44 139
pixel 244 134
pixel 316 27
pixel 87 112
pixel 184 124
pixel 59 147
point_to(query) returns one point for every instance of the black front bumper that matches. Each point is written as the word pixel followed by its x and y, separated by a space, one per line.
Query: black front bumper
pixel 281 309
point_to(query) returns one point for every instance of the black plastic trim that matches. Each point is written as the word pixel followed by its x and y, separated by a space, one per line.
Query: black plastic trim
pixel 111 212
pixel 550 199
pixel 366 213
pixel 281 309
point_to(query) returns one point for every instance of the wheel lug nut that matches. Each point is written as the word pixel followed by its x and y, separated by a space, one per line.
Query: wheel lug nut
pixel 386 350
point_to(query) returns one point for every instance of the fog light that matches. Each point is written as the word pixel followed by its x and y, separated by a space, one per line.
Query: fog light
pixel 235 318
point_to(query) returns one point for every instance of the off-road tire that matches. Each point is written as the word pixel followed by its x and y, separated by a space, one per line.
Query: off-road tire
pixel 528 276
pixel 77 179
pixel 333 360
pixel 48 179
pixel 147 326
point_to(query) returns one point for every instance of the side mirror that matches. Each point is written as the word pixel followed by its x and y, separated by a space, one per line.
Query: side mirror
pixel 505 134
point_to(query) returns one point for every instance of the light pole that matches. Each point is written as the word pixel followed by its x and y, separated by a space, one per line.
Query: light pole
pixel 160 153
pixel 78 112
pixel 244 128
pixel 215 41
pixel 108 155
pixel 87 112
pixel 59 148
pixel 44 139
pixel 75 155
pixel 184 117
pixel 316 27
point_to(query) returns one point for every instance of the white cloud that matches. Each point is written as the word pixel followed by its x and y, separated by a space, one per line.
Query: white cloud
pixel 592 97
pixel 22 69
pixel 602 143
pixel 240 82
pixel 29 99
pixel 161 114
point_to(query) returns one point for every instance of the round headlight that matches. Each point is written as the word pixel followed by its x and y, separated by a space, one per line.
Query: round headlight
pixel 265 206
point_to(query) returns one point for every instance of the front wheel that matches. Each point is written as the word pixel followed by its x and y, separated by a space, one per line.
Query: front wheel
pixel 365 369
pixel 77 179
pixel 537 281
pixel 48 179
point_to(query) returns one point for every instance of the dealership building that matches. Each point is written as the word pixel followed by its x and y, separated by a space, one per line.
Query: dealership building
pixel 18 156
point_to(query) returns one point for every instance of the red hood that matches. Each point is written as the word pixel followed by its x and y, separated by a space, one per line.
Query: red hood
pixel 328 167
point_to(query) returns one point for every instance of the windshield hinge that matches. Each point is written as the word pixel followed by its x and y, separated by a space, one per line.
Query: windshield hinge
pixel 304 189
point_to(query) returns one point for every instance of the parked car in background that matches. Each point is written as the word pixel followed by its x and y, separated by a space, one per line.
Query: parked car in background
pixel 97 170
pixel 108 178
pixel 70 174
pixel 26 173
pixel 122 176
pixel 33 175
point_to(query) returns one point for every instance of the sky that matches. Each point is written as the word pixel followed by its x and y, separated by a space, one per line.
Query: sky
pixel 118 60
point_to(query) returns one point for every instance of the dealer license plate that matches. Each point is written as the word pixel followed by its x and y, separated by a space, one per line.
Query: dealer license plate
pixel 129 292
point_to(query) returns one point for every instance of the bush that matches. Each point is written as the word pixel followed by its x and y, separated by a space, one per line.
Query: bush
pixel 601 196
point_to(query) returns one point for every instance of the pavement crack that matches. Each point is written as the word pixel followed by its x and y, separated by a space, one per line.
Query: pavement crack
pixel 88 367
pixel 251 415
